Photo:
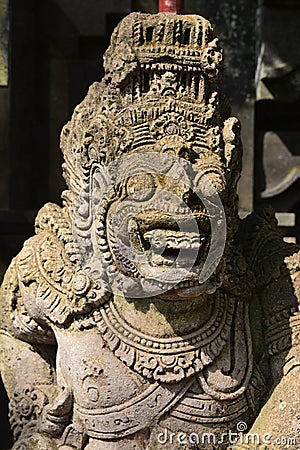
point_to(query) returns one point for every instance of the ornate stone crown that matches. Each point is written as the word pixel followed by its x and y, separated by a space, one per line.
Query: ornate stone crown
pixel 159 80
pixel 158 41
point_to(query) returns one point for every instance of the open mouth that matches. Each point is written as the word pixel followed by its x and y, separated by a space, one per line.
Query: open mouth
pixel 165 232
pixel 163 253
pixel 170 247
pixel 164 246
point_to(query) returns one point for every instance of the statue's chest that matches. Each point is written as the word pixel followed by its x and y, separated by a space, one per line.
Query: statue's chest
pixel 112 401
pixel 92 373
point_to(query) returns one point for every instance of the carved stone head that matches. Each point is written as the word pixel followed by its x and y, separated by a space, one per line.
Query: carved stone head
pixel 152 159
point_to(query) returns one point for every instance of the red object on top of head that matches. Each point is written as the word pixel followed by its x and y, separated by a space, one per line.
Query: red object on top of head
pixel 172 6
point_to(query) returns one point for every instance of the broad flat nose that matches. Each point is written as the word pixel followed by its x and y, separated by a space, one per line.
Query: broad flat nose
pixel 178 184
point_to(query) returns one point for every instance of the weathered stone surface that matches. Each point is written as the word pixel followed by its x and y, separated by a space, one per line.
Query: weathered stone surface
pixel 143 313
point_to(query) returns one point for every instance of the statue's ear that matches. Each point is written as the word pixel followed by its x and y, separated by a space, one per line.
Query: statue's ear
pixel 233 150
pixel 95 186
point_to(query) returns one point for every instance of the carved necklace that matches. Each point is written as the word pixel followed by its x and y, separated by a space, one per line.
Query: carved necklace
pixel 168 359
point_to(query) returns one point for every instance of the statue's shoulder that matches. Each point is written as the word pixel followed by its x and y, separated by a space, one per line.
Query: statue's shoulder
pixel 46 264
pixel 263 246
pixel 31 277
pixel 38 285
pixel 52 282
pixel 276 266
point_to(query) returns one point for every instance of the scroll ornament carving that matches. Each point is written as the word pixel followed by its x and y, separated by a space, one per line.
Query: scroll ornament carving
pixel 25 405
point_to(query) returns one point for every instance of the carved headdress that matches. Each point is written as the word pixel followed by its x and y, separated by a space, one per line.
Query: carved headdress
pixel 158 92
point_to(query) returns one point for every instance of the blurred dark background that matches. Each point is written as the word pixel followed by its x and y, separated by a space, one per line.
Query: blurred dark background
pixel 51 51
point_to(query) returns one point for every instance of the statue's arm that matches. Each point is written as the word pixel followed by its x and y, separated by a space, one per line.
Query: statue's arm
pixel 27 353
pixel 280 416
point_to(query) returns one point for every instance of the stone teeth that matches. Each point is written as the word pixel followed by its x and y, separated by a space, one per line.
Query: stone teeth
pixel 173 239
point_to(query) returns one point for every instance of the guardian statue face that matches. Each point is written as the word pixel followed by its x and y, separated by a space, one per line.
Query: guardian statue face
pixel 156 162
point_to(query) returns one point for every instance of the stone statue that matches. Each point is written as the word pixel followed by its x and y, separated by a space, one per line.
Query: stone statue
pixel 144 314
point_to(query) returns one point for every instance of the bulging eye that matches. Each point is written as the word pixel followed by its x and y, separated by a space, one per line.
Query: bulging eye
pixel 141 186
pixel 210 183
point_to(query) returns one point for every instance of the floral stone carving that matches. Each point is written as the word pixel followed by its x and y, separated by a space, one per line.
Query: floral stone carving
pixel 144 313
